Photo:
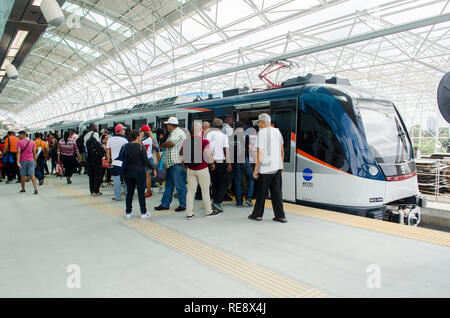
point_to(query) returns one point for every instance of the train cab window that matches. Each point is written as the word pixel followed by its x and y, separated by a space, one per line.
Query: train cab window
pixel 316 138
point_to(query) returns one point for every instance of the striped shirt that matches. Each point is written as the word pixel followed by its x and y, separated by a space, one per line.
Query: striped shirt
pixel 67 149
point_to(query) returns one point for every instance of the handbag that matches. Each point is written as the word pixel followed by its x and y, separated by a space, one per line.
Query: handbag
pixel 161 172
pixel 118 165
pixel 105 164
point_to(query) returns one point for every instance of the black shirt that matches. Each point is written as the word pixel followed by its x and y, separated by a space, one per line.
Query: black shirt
pixel 136 157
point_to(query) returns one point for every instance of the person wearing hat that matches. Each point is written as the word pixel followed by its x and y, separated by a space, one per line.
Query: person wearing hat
pixel 113 147
pixel 149 142
pixel 26 160
pixel 176 175
pixel 268 170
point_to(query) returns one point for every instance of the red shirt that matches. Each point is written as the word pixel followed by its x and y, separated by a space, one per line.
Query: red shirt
pixel 186 153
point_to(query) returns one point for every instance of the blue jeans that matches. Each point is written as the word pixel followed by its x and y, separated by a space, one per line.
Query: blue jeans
pixel 247 169
pixel 176 177
pixel 117 188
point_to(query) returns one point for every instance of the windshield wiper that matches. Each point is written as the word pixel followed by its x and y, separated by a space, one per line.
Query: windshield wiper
pixel 401 135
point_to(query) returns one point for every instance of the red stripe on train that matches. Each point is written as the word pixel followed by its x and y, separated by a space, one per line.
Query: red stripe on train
pixel 401 178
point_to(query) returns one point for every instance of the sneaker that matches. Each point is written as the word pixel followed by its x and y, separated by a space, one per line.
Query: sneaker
pixel 146 215
pixel 95 194
pixel 35 191
pixel 239 206
pixel 248 204
pixel 9 181
pixel 190 217
pixel 217 207
pixel 214 213
pixel 22 191
pixel 161 208
pixel 41 182
pixel 180 209
pixel 128 215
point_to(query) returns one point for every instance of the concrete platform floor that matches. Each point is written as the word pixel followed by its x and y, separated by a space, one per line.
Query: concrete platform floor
pixel 225 256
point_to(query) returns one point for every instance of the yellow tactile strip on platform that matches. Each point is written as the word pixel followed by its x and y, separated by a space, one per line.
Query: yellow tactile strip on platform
pixel 267 281
pixel 405 231
pixel 98 203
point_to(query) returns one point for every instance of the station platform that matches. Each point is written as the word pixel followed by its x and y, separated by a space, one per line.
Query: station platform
pixel 317 253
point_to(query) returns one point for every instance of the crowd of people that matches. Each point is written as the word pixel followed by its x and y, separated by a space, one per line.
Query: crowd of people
pixel 207 163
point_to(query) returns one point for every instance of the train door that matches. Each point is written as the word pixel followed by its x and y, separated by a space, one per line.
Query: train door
pixel 284 117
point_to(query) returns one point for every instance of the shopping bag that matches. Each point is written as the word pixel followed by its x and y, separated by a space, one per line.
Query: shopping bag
pixel 161 172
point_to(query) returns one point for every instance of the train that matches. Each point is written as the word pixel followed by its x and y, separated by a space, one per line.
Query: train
pixel 346 149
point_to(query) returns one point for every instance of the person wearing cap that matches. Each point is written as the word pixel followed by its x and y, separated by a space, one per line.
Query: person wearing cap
pixel 113 147
pixel 268 169
pixel 148 140
pixel 220 150
pixel 11 169
pixel 26 160
pixel 176 175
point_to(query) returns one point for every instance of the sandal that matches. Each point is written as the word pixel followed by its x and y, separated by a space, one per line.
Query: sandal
pixel 250 217
pixel 283 220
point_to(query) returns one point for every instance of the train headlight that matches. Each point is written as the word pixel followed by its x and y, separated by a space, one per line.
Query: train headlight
pixel 373 170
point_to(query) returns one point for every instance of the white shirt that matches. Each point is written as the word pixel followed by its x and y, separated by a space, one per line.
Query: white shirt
pixel 217 141
pixel 270 141
pixel 115 143
pixel 148 144
pixel 227 130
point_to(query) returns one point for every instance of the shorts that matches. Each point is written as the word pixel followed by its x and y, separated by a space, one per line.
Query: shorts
pixel 27 168
pixel 147 168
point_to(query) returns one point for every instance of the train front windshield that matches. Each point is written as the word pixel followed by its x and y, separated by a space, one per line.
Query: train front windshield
pixel 385 134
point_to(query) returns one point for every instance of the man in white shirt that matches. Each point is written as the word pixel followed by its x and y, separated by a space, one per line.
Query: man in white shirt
pixel 220 150
pixel 113 147
pixel 268 169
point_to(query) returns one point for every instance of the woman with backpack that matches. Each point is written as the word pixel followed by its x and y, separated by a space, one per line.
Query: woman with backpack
pixel 134 160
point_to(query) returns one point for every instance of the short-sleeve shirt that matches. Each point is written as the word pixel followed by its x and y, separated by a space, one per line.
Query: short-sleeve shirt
pixel 270 141
pixel 13 140
pixel 148 144
pixel 115 143
pixel 217 140
pixel 199 162
pixel 26 152
pixel 40 143
pixel 172 155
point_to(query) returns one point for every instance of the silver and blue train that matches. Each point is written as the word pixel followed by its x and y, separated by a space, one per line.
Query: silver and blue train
pixel 346 149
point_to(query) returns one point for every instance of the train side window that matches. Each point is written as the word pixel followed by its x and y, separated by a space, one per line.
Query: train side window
pixel 316 138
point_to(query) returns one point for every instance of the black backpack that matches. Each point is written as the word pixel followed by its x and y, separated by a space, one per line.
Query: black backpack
pixel 94 148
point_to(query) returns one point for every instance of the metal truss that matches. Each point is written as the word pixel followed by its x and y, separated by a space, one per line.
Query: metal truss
pixel 127 52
